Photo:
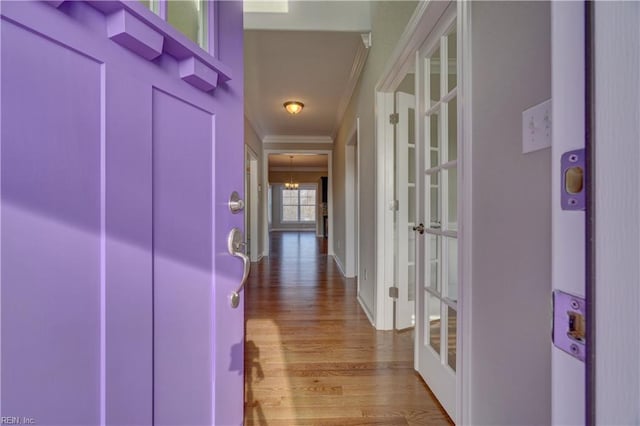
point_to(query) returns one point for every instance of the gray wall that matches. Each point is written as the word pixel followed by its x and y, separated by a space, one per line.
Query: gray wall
pixel 510 353
pixel 388 20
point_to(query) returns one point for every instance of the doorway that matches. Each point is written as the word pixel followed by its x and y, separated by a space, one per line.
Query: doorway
pixel 278 170
pixel 419 196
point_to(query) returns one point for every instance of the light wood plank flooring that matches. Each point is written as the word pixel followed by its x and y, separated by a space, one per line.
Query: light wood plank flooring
pixel 313 358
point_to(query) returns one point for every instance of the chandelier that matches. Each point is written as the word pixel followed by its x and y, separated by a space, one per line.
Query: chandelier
pixel 291 184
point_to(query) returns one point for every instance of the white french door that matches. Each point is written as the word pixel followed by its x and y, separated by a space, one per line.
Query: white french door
pixel 438 188
pixel 405 217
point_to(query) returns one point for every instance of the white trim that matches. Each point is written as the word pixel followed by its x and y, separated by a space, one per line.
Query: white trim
pixel 351 219
pixel 265 184
pixel 269 139
pixel 465 213
pixel 339 264
pixel 253 199
pixel 366 311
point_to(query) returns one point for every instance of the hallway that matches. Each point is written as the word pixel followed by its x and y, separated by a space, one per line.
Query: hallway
pixel 311 355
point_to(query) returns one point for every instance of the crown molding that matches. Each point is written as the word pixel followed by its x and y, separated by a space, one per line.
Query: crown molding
pixel 271 139
pixel 356 69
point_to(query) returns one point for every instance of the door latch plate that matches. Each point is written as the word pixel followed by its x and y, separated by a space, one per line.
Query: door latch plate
pixel 573 173
pixel 570 324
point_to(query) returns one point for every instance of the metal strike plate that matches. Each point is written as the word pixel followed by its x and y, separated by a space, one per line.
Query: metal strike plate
pixel 570 324
pixel 573 173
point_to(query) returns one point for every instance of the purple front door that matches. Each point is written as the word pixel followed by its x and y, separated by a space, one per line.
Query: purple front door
pixel 117 160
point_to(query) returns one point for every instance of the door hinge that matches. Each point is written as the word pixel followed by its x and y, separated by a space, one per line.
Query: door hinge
pixel 394 205
pixel 394 118
pixel 393 292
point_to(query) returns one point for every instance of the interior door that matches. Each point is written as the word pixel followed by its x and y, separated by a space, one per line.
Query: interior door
pixel 118 159
pixel 405 217
pixel 437 308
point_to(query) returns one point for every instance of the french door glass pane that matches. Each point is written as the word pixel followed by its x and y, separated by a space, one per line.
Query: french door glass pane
pixel 452 129
pixel 411 201
pixel 434 125
pixel 412 126
pixel 412 283
pixel 189 18
pixel 452 322
pixel 434 261
pixel 147 3
pixel 452 268
pixel 411 169
pixel 411 245
pixel 435 208
pixel 434 76
pixel 433 321
pixel 452 199
pixel 451 54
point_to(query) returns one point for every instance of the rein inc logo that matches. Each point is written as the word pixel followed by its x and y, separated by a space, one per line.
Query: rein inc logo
pixel 16 420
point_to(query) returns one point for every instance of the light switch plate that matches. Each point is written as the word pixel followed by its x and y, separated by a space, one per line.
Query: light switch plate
pixel 536 127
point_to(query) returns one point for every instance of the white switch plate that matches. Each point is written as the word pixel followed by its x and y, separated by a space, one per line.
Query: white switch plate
pixel 536 127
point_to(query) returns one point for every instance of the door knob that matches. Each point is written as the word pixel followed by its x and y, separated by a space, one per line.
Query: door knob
pixel 234 244
pixel 419 228
pixel 236 204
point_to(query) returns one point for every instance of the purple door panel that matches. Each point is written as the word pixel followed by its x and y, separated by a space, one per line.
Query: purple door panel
pixel 115 170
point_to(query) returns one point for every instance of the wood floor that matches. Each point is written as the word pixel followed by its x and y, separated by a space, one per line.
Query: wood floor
pixel 313 358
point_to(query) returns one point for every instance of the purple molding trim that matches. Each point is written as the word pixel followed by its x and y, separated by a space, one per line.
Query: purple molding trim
pixel 129 32
pixel 175 44
pixel 198 74
pixel 55 3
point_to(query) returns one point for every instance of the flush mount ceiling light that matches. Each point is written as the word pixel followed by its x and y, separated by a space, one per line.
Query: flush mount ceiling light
pixel 293 107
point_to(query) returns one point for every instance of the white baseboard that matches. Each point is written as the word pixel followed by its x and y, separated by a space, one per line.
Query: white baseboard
pixel 340 267
pixel 366 311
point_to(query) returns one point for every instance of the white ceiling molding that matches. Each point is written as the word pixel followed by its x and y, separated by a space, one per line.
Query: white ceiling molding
pixel 356 69
pixel 298 169
pixel 296 139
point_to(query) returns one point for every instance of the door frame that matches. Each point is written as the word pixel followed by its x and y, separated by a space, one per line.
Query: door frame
pixel 265 184
pixel 253 200
pixel 401 60
pixel 352 201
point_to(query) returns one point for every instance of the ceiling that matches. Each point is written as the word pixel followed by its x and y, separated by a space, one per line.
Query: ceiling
pixel 317 68
pixel 316 161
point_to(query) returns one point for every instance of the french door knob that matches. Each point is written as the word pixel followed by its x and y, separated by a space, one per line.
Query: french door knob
pixel 419 228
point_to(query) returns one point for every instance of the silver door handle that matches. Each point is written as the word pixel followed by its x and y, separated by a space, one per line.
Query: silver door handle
pixel 234 242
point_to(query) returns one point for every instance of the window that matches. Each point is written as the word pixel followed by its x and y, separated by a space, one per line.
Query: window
pixel 299 205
